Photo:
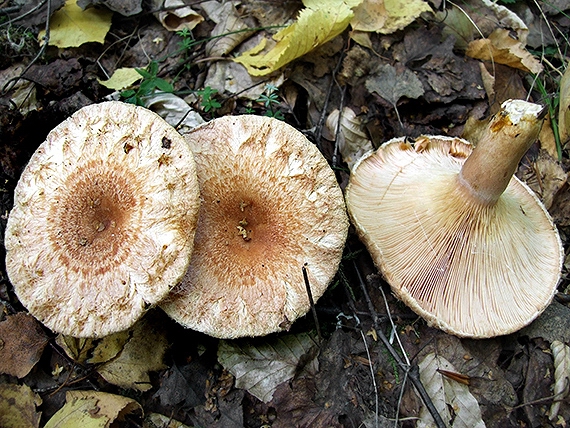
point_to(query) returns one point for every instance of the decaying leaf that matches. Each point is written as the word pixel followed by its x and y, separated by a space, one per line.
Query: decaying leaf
pixel 22 342
pixel 503 49
pixel 92 409
pixel 452 399
pixel 261 368
pixel 564 107
pixel 392 84
pixel 18 404
pixel 122 78
pixel 387 16
pixel 71 26
pixel 78 349
pixel 141 354
pixel 109 347
pixel 352 140
pixel 561 355
pixel 156 420
pixel 318 23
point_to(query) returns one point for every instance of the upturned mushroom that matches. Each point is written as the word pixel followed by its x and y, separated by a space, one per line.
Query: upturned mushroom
pixel 459 239
pixel 270 205
pixel 103 220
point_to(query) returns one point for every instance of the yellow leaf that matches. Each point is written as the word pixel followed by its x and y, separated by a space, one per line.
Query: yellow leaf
pixel 141 354
pixel 318 23
pixel 71 26
pixel 122 78
pixel 387 16
pixel 92 409
pixel 18 406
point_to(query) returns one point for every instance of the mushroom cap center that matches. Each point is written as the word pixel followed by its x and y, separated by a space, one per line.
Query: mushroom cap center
pixel 92 217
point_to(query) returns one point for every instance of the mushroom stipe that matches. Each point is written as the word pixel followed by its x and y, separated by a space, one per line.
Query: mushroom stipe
pixel 103 221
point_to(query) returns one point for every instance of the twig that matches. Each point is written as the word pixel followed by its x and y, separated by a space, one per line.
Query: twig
pixel 312 303
pixel 376 403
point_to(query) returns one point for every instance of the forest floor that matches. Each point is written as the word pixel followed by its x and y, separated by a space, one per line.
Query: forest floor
pixel 426 68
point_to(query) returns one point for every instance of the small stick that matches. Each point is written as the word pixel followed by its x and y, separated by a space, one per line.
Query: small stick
pixel 312 302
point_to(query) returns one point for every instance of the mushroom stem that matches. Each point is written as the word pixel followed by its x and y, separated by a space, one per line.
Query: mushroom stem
pixel 510 133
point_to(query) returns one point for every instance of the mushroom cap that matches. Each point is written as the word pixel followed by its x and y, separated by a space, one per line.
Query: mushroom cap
pixel 470 269
pixel 103 220
pixel 270 205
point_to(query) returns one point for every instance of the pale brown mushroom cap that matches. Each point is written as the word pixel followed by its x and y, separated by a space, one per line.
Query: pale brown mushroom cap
pixel 471 269
pixel 270 205
pixel 103 220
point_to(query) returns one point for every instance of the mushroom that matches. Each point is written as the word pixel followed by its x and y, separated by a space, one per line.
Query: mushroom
pixel 466 245
pixel 103 220
pixel 270 205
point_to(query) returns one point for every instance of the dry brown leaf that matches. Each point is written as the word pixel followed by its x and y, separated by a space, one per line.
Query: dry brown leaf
pixel 503 49
pixel 22 341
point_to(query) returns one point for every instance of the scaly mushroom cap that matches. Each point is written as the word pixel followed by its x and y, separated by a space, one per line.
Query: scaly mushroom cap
pixel 270 205
pixel 471 269
pixel 103 220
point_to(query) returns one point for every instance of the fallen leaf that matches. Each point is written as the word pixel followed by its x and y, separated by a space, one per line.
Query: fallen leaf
pixel 18 405
pixel 142 353
pixel 156 420
pixel 71 26
pixel 456 405
pixel 174 15
pixel 564 107
pixel 561 355
pixel 387 16
pixel 22 341
pixel 352 140
pixel 392 84
pixel 92 409
pixel 503 49
pixel 109 347
pixel 261 368
pixel 318 23
pixel 229 31
pixel 78 349
pixel 122 78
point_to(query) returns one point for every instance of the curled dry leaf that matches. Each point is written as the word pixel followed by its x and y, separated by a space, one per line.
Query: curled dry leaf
pixel 561 354
pixel 452 399
pixel 352 140
pixel 503 49
pixel 174 15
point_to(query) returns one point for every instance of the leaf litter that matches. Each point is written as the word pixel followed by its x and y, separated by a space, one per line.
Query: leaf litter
pixel 392 69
